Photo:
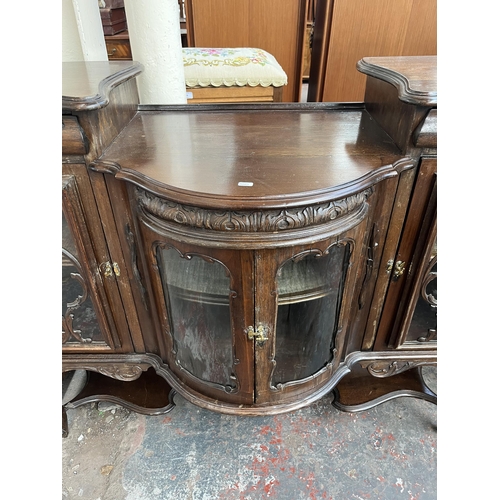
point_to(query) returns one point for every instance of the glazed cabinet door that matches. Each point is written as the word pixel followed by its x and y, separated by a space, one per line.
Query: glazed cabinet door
pixel 303 301
pixel 87 316
pixel 409 316
pixel 204 300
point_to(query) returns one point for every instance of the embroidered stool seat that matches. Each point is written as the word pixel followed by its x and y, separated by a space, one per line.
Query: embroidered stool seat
pixel 232 75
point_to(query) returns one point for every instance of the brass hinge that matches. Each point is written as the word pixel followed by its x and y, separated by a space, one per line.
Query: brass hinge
pixel 109 269
pixel 260 335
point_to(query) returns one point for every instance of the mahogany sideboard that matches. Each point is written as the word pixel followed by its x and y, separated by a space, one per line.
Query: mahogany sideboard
pixel 252 258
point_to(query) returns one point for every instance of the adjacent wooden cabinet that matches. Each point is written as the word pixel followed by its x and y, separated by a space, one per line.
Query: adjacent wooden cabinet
pixel 251 258
pixel 347 30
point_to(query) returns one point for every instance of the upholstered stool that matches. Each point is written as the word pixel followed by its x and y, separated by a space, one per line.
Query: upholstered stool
pixel 232 75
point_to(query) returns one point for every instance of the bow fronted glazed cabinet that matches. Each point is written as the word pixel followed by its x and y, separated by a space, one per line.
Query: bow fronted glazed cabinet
pixel 252 258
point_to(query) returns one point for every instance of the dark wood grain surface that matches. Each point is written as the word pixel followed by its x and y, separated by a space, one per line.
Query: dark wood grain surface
pixel 283 158
pixel 86 85
pixel 414 77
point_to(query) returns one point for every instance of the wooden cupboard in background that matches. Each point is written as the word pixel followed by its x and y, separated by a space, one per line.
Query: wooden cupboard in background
pixel 277 27
pixel 347 30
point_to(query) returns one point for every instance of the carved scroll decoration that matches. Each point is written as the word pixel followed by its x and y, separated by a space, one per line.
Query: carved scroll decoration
pixel 68 331
pixel 273 220
pixel 119 370
pixel 122 372
pixel 382 369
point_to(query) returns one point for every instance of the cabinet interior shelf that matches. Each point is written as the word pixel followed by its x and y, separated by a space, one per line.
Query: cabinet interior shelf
pixel 201 281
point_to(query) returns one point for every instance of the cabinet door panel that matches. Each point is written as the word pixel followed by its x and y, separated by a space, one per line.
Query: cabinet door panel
pixel 86 320
pixel 198 292
pixel 405 319
pixel 309 292
pixel 204 297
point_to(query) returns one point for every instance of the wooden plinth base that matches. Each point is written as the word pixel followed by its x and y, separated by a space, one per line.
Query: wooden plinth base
pixel 359 390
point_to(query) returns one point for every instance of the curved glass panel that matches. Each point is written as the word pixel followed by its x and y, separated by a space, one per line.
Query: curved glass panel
pixel 309 295
pixel 79 319
pixel 197 291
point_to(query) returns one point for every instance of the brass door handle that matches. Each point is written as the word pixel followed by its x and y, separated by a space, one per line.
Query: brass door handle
pixel 109 269
pixel 397 269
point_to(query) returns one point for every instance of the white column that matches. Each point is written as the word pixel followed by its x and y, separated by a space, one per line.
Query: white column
pixel 155 40
pixel 71 46
pixel 88 20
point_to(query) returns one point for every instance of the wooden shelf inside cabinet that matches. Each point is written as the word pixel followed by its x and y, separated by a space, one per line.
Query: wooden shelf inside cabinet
pixel 200 281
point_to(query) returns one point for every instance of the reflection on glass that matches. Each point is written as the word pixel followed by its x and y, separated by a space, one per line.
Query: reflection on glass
pixel 309 295
pixel 197 295
pixel 79 320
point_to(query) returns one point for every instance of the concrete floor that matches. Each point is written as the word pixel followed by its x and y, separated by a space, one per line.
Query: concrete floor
pixel 387 452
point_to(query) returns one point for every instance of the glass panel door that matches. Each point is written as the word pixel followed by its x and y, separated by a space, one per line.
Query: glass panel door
pixel 197 292
pixel 84 321
pixel 309 298
pixel 79 318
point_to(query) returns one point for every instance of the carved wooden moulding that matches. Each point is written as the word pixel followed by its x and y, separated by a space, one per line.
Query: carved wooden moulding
pixel 120 367
pixel 388 368
pixel 249 221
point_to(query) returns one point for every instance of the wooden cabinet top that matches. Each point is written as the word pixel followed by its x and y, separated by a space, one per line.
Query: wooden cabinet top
pixel 86 85
pixel 415 77
pixel 254 158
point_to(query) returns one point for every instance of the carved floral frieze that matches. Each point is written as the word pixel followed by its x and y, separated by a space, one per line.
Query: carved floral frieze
pixel 272 220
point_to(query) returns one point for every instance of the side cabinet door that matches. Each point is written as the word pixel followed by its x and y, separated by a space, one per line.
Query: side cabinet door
pixel 87 319
pixel 409 317
pixel 204 301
